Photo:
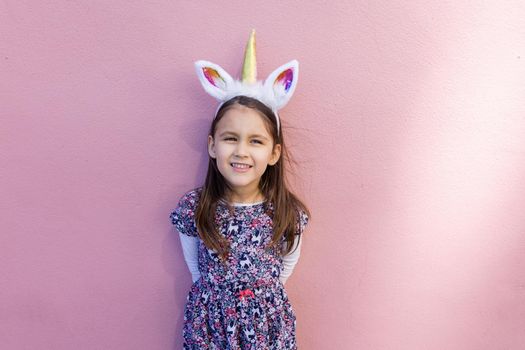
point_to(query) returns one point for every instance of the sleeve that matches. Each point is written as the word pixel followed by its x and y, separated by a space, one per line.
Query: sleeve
pixel 183 217
pixel 190 249
pixel 301 223
pixel 290 260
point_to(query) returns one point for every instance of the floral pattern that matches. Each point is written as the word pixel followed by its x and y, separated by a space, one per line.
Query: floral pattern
pixel 241 306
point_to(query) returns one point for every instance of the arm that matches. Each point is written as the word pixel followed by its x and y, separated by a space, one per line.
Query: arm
pixel 290 260
pixel 183 218
pixel 190 249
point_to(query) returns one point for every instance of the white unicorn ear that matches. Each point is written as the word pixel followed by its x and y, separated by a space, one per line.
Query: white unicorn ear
pixel 282 82
pixel 213 78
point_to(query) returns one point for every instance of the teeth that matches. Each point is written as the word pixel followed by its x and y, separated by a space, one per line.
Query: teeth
pixel 240 166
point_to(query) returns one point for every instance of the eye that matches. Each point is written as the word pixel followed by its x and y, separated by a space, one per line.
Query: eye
pixel 258 141
pixel 229 139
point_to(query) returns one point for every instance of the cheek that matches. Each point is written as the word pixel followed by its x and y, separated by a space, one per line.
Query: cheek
pixel 221 151
pixel 264 156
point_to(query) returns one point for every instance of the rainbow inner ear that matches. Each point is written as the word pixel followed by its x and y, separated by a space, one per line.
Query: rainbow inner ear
pixel 285 79
pixel 214 77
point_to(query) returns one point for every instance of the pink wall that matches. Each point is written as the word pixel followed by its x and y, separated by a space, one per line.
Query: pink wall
pixel 407 122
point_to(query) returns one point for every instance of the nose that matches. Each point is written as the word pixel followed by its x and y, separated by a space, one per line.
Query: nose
pixel 240 150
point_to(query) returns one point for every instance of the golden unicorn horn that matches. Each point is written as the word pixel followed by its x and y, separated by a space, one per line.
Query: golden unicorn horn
pixel 249 67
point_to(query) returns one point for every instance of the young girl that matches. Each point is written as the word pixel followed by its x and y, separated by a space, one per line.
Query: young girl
pixel 240 231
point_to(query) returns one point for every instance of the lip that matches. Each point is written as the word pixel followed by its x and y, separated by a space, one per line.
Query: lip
pixel 240 170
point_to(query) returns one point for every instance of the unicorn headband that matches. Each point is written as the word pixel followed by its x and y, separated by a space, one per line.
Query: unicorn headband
pixel 274 92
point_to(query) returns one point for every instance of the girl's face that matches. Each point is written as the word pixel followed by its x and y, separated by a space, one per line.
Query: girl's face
pixel 243 148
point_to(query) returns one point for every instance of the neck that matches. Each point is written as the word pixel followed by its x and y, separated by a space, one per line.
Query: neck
pixel 240 196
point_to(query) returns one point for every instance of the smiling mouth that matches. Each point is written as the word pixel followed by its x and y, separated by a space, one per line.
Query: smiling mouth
pixel 241 165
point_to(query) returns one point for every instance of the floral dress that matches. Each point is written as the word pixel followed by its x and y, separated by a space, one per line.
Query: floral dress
pixel 241 306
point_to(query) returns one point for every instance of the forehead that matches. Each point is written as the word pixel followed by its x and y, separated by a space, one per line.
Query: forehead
pixel 242 120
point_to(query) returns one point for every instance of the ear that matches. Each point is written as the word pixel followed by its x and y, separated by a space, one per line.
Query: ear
pixel 276 154
pixel 282 82
pixel 213 78
pixel 211 146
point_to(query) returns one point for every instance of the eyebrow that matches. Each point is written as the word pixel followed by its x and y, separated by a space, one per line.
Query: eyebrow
pixel 253 135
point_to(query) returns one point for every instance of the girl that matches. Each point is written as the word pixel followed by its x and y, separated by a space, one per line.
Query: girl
pixel 240 232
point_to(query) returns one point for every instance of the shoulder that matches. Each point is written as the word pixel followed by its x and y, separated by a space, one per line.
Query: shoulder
pixel 190 198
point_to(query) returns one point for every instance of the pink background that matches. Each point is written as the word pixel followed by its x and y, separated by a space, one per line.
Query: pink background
pixel 407 126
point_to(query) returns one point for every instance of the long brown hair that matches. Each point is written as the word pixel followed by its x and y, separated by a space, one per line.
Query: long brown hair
pixel 286 205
